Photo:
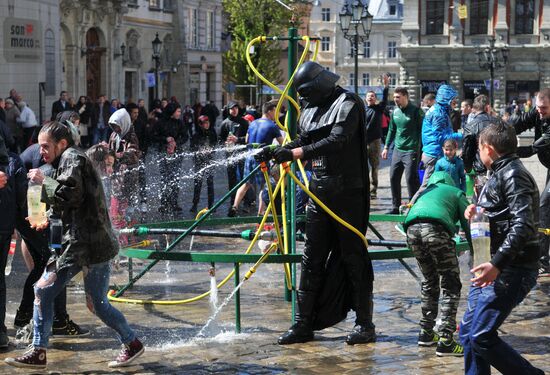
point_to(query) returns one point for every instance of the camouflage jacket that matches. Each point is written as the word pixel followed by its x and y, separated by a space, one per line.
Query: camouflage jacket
pixel 75 194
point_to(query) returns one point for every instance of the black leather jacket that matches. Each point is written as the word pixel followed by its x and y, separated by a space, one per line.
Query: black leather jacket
pixel 511 201
pixel 470 142
pixel 541 146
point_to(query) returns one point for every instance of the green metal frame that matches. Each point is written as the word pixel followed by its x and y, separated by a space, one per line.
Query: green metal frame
pixel 237 259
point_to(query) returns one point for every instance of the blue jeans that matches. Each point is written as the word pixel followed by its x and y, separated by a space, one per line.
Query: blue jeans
pixel 486 311
pixel 96 285
pixel 100 135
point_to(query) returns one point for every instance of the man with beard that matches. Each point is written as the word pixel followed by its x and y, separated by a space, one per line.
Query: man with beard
pixel 333 136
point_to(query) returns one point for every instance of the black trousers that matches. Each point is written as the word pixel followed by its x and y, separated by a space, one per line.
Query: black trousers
pixel 199 165
pixel 324 235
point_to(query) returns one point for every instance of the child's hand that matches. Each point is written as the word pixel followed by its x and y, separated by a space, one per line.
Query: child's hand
pixel 488 274
pixel 470 211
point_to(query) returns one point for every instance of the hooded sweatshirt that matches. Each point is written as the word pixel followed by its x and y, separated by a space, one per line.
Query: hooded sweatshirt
pixel 441 203
pixel 126 142
pixel 437 127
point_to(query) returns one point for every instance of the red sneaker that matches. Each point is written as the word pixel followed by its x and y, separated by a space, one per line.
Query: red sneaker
pixel 128 353
pixel 33 358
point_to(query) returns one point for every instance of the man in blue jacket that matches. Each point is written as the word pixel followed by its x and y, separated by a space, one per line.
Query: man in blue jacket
pixel 436 129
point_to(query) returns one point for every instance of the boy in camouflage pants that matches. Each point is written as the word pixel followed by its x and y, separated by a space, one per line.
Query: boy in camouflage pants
pixel 430 226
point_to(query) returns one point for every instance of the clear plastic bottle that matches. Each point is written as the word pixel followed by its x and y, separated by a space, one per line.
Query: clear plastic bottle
pixel 36 209
pixel 481 238
pixel 265 239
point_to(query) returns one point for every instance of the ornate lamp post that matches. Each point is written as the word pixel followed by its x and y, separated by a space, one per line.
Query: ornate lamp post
pixel 491 58
pixel 156 56
pixel 356 23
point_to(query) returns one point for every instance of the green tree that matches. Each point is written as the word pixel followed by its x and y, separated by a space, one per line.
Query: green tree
pixel 248 19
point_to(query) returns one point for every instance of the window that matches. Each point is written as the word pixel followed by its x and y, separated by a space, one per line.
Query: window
pixel 366 79
pixel 168 5
pixel 392 49
pixel 393 10
pixel 393 79
pixel 210 29
pixel 49 57
pixel 479 16
pixel 325 43
pixel 133 3
pixel 525 16
pixel 435 15
pixel 325 14
pixel 154 4
pixel 366 49
pixel 352 79
pixel 193 28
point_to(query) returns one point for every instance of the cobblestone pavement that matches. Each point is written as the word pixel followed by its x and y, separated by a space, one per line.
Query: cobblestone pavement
pixel 168 331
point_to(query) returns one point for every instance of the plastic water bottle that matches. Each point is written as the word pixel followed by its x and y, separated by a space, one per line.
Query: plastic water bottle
pixel 265 239
pixel 481 238
pixel 36 208
pixel 11 253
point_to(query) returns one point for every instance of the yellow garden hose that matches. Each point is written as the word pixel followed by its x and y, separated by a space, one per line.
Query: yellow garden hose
pixel 247 55
pixel 282 243
pixel 324 207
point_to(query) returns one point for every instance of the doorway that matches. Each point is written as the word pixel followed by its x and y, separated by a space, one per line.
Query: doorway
pixel 94 53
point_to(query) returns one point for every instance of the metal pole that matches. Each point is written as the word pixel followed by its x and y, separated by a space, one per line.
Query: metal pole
pixel 40 104
pixel 356 60
pixel 237 300
pixel 156 77
pixel 492 91
pixel 290 192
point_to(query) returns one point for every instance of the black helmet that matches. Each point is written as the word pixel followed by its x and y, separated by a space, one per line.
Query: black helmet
pixel 314 83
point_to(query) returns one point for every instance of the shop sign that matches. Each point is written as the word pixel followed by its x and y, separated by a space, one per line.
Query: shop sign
pixel 22 40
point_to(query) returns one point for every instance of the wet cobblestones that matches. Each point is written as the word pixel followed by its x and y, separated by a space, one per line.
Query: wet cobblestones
pixel 168 331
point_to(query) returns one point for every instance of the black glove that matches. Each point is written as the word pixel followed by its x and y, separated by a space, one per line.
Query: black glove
pixel 266 154
pixel 281 154
pixel 525 151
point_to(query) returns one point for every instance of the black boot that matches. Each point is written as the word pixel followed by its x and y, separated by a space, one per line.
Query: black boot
pixel 361 335
pixel 363 332
pixel 302 330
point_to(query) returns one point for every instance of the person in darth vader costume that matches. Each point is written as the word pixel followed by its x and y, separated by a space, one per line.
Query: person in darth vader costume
pixel 336 268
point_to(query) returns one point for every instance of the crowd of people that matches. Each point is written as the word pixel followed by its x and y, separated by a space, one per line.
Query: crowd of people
pixel 88 158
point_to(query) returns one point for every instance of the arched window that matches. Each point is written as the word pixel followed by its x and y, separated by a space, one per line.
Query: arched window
pixel 49 59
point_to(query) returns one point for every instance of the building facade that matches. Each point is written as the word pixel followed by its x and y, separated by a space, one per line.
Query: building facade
pixel 377 55
pixel 30 60
pixel 438 45
pixel 107 49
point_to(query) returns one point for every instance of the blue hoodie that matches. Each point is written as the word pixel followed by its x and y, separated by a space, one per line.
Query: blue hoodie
pixel 437 127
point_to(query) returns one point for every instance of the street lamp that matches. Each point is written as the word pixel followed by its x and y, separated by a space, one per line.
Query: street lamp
pixel 356 23
pixel 488 59
pixel 156 56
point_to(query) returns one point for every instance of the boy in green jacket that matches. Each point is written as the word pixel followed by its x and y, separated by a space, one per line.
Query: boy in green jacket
pixel 430 226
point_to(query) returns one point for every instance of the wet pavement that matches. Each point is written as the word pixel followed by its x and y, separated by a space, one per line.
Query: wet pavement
pixel 169 331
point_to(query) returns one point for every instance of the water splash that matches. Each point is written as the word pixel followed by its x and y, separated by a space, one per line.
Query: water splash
pixel 218 310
